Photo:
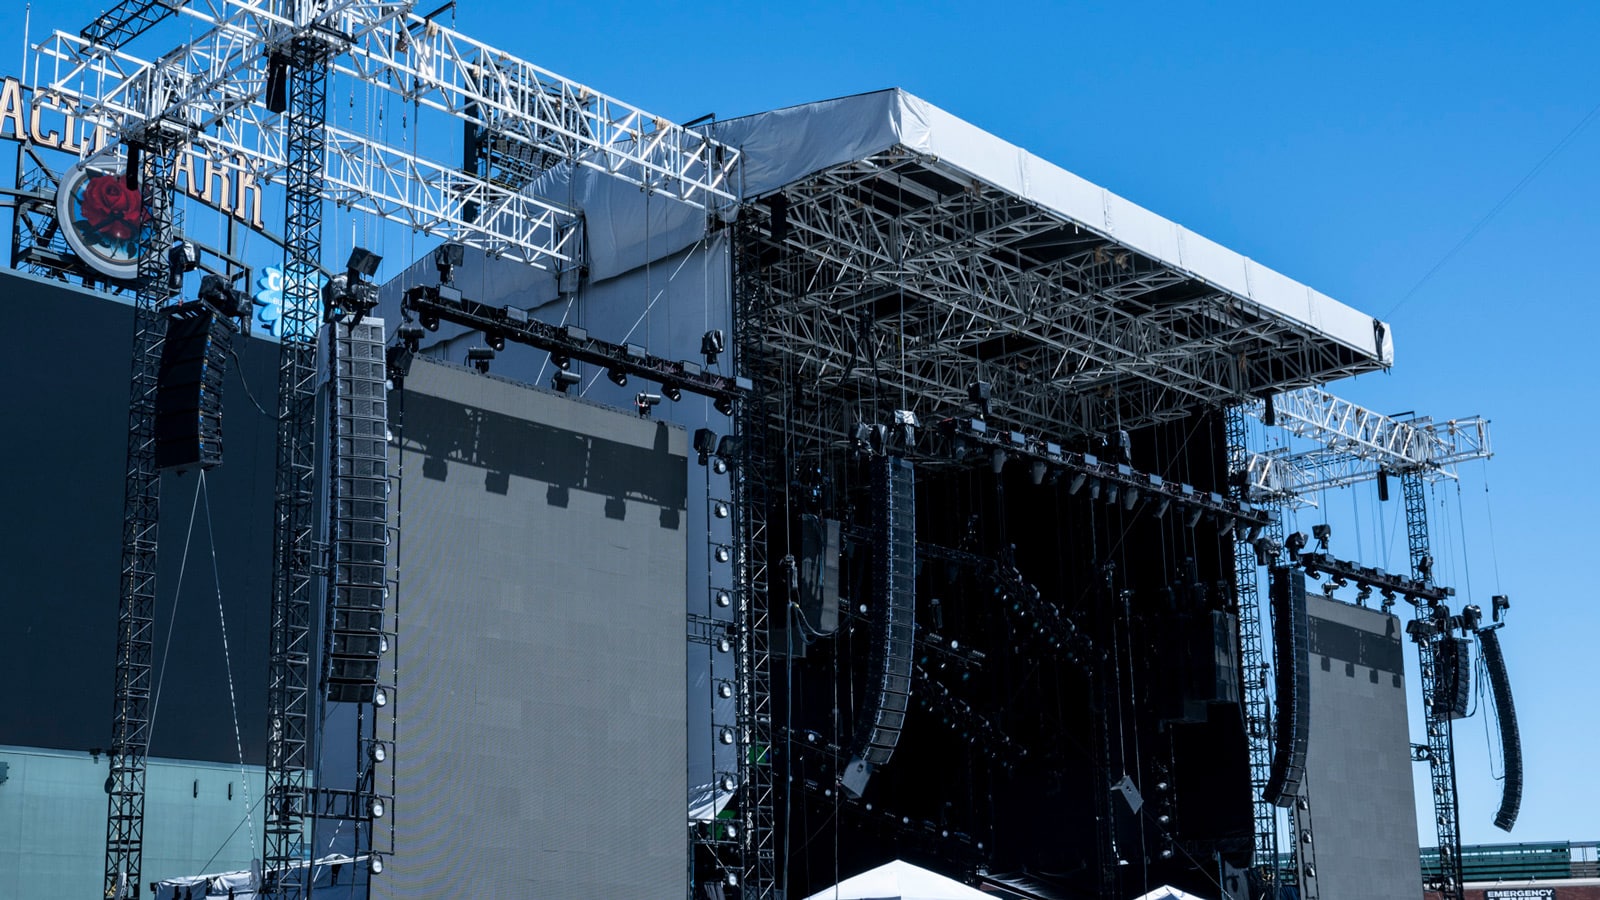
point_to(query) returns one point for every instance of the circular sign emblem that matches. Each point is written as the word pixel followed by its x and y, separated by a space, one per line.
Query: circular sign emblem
pixel 103 220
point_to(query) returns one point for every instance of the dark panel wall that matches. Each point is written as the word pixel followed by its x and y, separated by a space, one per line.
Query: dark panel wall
pixel 65 411
pixel 540 654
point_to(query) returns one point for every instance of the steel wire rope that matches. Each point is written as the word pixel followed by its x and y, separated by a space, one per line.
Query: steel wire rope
pixel 177 597
pixel 227 662
pixel 1494 551
pixel 1504 201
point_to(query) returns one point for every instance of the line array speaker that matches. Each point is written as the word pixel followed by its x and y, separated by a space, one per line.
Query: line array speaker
pixel 819 573
pixel 1510 738
pixel 1291 647
pixel 188 425
pixel 356 636
pixel 1452 682
pixel 894 598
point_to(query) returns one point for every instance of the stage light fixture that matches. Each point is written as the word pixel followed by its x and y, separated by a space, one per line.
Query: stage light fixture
pixel 380 698
pixel 729 447
pixel 480 357
pixel 672 392
pixel 561 381
pixel 725 691
pixel 997 460
pixel 1111 493
pixel 979 392
pixel 182 257
pixel 732 879
pixel 725 735
pixel 429 320
pixel 495 340
pixel 617 377
pixel 1036 471
pixel 378 751
pixel 723 405
pixel 410 334
pixel 375 864
pixel 705 444
pixel 711 345
pixel 719 466
pixel 1076 484
pixel 644 402
pixel 1321 533
pixel 363 262
pixel 1130 497
pixel 720 509
pixel 1227 524
pixel 560 360
pixel 1162 506
pixel 446 258
pixel 1193 518
pixel 1166 852
pixel 1094 489
pixel 376 808
pixel 722 554
pixel 724 645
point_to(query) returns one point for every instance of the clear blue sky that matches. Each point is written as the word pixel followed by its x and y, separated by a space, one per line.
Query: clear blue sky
pixel 1350 146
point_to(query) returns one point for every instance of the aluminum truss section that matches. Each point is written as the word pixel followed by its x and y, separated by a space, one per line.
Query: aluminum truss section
pixel 1426 631
pixel 752 493
pixel 289 675
pixel 1358 445
pixel 127 20
pixel 216 86
pixel 895 275
pixel 130 739
pixel 1252 659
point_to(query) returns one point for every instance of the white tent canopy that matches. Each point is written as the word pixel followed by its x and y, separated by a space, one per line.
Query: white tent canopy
pixel 1168 893
pixel 900 880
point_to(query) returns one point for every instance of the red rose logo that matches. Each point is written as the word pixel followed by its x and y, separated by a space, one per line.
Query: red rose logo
pixel 111 208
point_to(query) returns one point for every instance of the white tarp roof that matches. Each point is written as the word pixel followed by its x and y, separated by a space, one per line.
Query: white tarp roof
pixel 900 880
pixel 626 227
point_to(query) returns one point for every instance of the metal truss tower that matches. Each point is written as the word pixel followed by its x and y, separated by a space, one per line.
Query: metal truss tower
pixel 1252 658
pixel 751 496
pixel 289 680
pixel 1441 737
pixel 130 740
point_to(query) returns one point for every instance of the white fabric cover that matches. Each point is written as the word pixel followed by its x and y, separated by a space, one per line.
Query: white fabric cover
pixel 900 880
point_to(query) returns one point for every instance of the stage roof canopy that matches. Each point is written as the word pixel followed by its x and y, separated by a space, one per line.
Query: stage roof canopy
pixel 924 253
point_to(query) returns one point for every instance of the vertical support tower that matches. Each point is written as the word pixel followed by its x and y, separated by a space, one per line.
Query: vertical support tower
pixel 1252 659
pixel 751 488
pixel 141 508
pixel 289 639
pixel 1427 629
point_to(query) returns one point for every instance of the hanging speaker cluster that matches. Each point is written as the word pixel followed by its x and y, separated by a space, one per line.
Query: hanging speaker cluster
pixel 194 357
pixel 1291 646
pixel 894 597
pixel 360 520
pixel 1510 738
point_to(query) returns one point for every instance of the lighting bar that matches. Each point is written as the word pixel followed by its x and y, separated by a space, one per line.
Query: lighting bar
pixel 575 343
pixel 1151 487
pixel 1412 589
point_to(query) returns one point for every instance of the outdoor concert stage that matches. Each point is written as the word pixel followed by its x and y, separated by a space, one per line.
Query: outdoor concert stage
pixel 956 581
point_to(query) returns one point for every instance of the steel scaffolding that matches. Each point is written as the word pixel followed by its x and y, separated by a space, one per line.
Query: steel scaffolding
pixel 1252 657
pixel 1427 629
pixel 130 739
pixel 751 489
pixel 289 673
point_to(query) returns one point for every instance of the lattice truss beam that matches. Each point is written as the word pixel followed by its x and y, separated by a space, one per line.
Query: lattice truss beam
pixel 899 276
pixel 1357 445
pixel 214 87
